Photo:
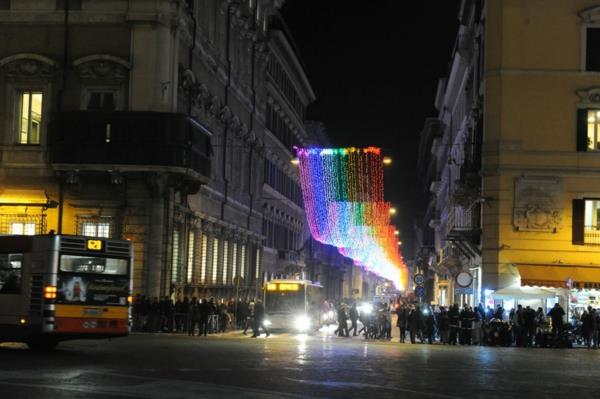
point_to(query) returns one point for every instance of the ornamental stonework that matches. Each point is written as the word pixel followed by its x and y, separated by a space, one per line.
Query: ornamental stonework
pixel 538 204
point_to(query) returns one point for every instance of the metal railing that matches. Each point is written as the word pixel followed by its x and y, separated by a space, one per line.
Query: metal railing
pixel 591 234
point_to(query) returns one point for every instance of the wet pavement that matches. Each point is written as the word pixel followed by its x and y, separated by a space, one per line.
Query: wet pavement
pixel 174 366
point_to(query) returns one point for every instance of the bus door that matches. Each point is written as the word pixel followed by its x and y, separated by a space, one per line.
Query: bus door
pixel 11 288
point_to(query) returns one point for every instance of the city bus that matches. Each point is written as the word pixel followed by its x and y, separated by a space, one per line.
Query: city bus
pixel 293 305
pixel 60 287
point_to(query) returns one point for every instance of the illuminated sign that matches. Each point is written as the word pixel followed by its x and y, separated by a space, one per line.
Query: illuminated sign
pixel 94 245
pixel 283 287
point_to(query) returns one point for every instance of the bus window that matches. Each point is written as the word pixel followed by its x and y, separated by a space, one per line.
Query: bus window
pixel 92 264
pixel 10 273
pixel 92 280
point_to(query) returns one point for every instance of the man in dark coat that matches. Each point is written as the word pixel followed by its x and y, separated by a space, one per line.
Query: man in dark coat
pixel 259 319
pixel 204 310
pixel 454 319
pixel 353 314
pixel 414 323
pixel 556 315
pixel 402 322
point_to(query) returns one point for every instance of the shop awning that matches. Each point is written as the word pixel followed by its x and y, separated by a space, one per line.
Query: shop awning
pixel 517 292
pixel 558 275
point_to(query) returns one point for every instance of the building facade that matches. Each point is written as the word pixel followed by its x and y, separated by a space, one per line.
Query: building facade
pixel 538 179
pixel 168 123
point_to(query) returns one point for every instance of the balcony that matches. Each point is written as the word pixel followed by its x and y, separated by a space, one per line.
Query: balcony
pixel 462 229
pixel 130 141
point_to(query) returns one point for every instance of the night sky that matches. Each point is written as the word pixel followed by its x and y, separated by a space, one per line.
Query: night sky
pixel 374 67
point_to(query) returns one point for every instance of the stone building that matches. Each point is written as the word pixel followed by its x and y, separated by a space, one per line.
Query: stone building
pixel 169 123
pixel 537 187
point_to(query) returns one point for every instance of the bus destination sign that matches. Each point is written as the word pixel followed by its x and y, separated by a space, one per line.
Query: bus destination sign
pixel 282 287
pixel 95 245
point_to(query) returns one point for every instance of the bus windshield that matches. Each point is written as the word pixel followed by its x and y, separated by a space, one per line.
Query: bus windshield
pixel 284 302
pixel 92 280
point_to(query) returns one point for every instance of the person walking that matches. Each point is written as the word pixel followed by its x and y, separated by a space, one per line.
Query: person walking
pixel 193 317
pixel 249 321
pixel 414 322
pixel 443 326
pixel 402 322
pixel 454 319
pixel 342 329
pixel 259 319
pixel 204 310
pixel 353 314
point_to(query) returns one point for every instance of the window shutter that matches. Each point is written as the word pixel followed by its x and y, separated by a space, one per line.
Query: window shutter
pixel 578 218
pixel 582 130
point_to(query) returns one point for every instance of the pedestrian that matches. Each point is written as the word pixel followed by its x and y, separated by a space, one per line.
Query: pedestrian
pixel 556 315
pixel 402 322
pixel 414 321
pixel 204 312
pixel 353 314
pixel 259 319
pixel 193 317
pixel 454 323
pixel 443 326
pixel 342 329
pixel 249 322
pixel 529 326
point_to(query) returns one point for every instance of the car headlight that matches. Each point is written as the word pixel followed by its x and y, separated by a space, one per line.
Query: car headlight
pixel 267 322
pixel 302 323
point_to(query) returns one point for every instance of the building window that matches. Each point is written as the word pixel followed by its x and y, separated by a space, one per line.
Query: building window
pixel 225 261
pixel 101 100
pixel 175 257
pixel 93 226
pixel 204 258
pixel 30 121
pixel 20 228
pixel 234 262
pixel 257 275
pixel 190 257
pixel 215 260
pixel 592 49
pixel 586 221
pixel 243 262
pixel 22 224
pixel 10 273
pixel 593 130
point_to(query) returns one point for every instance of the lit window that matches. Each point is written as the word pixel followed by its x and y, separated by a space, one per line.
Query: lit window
pixel 257 276
pixel 27 229
pixel 175 258
pixel 234 261
pixel 593 130
pixel 243 262
pixel 215 260
pixel 225 260
pixel 190 259
pixel 91 229
pixel 30 117
pixel 204 258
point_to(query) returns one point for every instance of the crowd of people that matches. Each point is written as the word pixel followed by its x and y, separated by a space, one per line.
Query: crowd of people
pixel 523 326
pixel 196 316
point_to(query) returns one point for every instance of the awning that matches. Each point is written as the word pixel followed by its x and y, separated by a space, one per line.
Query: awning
pixel 517 292
pixel 558 275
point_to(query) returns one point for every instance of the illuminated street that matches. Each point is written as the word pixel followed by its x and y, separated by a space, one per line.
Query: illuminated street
pixel 178 366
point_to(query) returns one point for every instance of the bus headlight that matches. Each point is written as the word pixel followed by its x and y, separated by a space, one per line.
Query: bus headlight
pixel 366 308
pixel 302 323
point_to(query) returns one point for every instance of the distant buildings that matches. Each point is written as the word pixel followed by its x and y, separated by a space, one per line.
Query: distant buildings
pixel 170 123
pixel 510 162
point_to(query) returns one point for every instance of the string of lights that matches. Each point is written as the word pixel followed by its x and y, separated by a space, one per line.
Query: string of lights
pixel 343 195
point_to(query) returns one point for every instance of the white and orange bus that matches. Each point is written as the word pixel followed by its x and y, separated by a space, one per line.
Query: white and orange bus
pixel 60 287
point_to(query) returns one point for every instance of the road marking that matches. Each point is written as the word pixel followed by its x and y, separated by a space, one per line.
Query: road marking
pixel 344 384
pixel 153 388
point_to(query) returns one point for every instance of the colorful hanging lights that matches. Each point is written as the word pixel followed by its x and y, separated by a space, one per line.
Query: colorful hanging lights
pixel 342 189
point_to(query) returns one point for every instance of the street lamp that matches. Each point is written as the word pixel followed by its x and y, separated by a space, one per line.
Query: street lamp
pixel 397 233
pixel 392 211
pixel 387 160
pixel 295 161
pixel 399 243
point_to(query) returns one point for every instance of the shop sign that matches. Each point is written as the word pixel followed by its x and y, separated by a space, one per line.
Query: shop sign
pixel 462 290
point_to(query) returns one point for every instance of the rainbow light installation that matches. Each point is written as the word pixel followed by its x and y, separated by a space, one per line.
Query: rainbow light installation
pixel 342 189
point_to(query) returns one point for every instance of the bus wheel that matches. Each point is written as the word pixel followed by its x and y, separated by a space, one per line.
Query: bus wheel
pixel 45 345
